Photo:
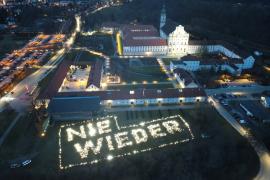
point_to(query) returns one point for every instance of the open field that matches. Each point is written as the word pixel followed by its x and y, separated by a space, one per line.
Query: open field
pixel 99 42
pixel 21 139
pixel 6 117
pixel 215 157
pixel 138 70
pixel 84 57
pixel 139 86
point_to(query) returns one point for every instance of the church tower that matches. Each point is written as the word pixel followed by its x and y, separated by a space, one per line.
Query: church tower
pixel 162 21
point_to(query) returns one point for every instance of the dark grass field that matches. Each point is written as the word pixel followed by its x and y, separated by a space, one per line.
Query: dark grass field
pixel 99 42
pixel 224 155
pixel 139 70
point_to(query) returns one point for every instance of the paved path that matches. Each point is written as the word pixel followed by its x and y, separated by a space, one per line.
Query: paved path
pixel 259 147
pixel 6 133
pixel 167 71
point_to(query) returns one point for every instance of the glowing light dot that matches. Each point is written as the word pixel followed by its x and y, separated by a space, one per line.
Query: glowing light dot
pixel 109 157
pixel 142 124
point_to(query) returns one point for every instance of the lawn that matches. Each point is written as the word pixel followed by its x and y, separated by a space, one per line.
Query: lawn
pixel 21 139
pixel 140 74
pixel 85 57
pixel 129 74
pixel 139 70
pixel 6 117
pixel 216 157
pixel 140 86
pixel 99 42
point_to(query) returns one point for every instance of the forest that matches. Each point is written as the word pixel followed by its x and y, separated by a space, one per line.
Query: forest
pixel 232 20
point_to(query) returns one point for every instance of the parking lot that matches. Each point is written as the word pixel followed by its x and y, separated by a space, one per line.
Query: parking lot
pixel 251 114
pixel 244 107
pixel 31 55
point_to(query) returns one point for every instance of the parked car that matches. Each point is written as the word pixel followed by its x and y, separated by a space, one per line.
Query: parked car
pixel 15 165
pixel 26 162
pixel 242 121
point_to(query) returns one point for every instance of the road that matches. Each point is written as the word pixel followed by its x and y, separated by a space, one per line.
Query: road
pixel 239 89
pixel 19 100
pixel 259 147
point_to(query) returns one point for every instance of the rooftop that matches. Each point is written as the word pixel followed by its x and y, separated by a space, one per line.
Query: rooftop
pixel 184 75
pixel 74 104
pixel 142 35
pixel 138 94
pixel 95 74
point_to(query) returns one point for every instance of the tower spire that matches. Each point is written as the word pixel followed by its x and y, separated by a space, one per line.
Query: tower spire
pixel 162 20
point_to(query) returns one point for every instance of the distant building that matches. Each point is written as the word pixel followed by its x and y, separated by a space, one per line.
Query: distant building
pixel 179 45
pixel 142 40
pixel 184 78
pixel 265 100
pixel 194 63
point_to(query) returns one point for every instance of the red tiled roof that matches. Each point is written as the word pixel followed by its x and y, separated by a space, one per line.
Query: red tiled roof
pixel 210 60
pixel 190 58
pixel 145 42
pixel 184 75
pixel 241 52
pixel 57 80
pixel 95 74
pixel 139 31
pixel 141 35
pixel 138 94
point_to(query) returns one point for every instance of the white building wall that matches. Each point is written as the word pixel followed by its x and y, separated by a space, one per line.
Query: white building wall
pixel 145 50
pixel 207 66
pixel 178 42
pixel 186 65
pixel 249 62
pixel 221 49
pixel 128 102
pixel 194 49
